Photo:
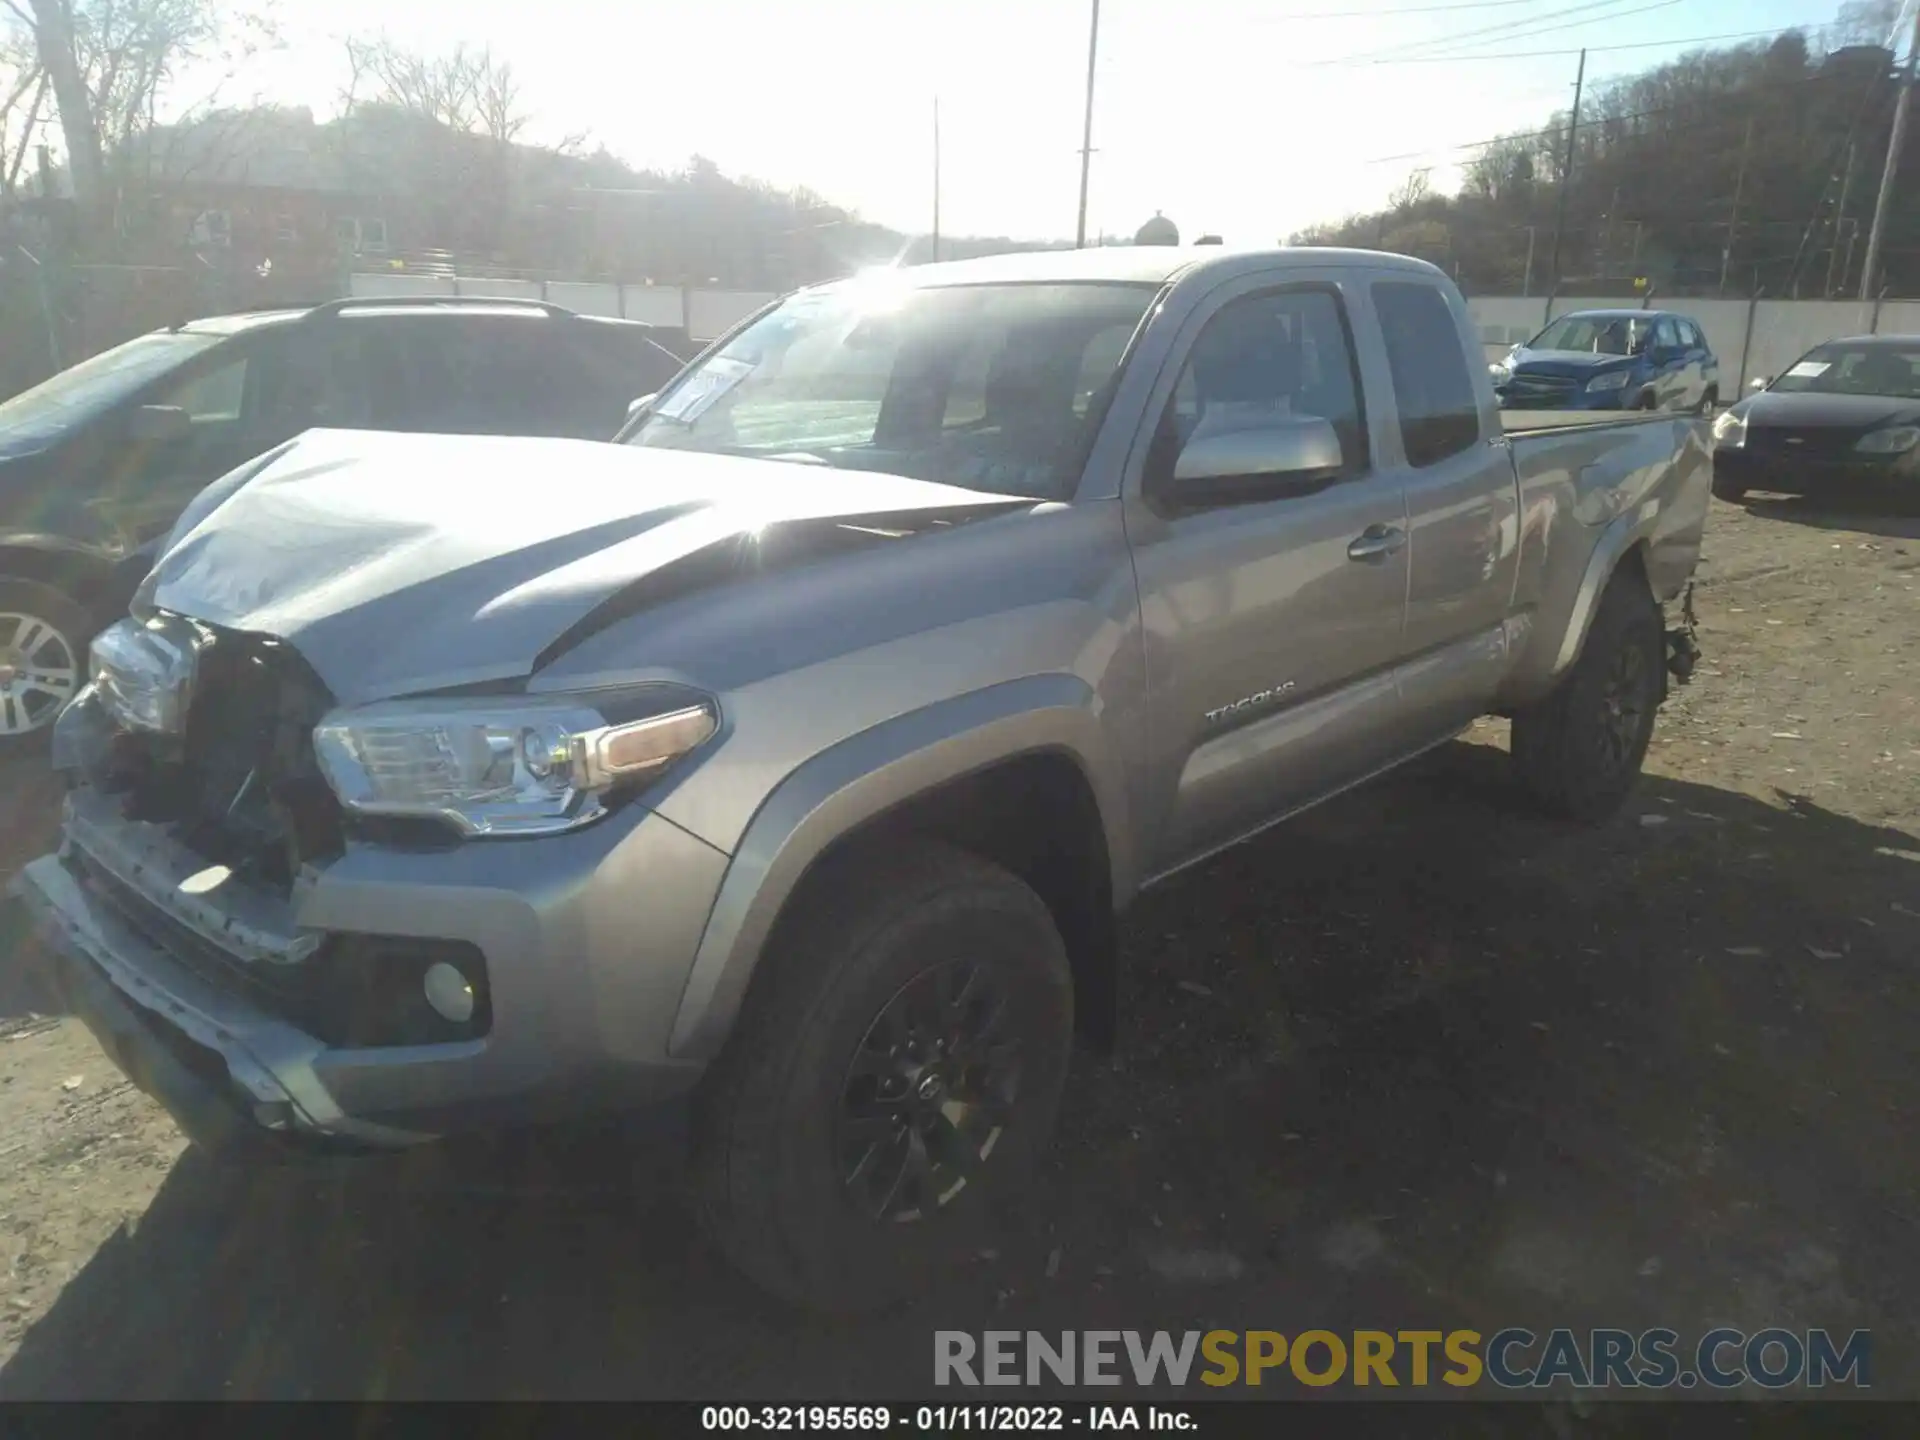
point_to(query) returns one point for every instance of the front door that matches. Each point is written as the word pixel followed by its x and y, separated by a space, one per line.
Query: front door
pixel 150 480
pixel 1272 626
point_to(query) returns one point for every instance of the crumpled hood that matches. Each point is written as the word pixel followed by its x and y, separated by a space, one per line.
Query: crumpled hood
pixel 397 564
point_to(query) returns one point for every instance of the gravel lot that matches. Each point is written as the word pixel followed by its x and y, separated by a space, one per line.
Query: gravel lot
pixel 1418 1059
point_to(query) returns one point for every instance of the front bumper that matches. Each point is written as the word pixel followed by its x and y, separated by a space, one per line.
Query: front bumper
pixel 1760 470
pixel 588 939
pixel 1555 397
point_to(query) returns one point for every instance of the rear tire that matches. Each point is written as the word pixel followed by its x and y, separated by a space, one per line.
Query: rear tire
pixel 896 1068
pixel 1579 750
pixel 1729 490
pixel 43 660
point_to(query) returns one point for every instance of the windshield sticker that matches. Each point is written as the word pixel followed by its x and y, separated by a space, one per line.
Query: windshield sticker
pixel 1807 369
pixel 695 395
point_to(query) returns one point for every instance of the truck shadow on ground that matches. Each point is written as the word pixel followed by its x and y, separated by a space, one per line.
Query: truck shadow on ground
pixel 1417 1059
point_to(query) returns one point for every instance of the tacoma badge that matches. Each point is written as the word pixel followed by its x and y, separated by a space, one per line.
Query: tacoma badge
pixel 1265 697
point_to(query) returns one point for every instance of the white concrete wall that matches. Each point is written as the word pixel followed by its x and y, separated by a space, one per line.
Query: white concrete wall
pixel 1783 330
pixel 584 297
pixel 386 286
pixel 711 313
pixel 655 304
pixel 499 289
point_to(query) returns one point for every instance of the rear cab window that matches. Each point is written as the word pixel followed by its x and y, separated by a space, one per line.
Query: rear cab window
pixel 1432 386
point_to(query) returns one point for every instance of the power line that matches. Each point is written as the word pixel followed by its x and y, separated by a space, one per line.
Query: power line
pixel 1399 10
pixel 1601 120
pixel 1608 18
pixel 1587 7
pixel 1596 49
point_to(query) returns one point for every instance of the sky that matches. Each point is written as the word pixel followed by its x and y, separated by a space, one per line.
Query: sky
pixel 1245 118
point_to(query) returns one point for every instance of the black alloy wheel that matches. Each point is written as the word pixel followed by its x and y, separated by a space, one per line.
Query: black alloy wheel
pixel 928 1093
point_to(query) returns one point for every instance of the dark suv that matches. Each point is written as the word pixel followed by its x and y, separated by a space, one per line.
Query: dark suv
pixel 96 463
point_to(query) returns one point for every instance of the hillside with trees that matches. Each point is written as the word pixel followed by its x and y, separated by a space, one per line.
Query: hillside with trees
pixel 1729 170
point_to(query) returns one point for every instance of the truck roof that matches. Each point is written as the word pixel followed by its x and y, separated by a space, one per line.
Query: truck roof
pixel 1138 264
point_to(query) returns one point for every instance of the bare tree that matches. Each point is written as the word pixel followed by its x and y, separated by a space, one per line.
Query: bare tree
pixel 1411 191
pixel 52 25
pixel 1869 22
pixel 464 90
pixel 23 95
pixel 107 63
pixel 501 118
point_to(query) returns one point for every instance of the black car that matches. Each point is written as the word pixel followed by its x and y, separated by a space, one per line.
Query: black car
pixel 96 463
pixel 1844 416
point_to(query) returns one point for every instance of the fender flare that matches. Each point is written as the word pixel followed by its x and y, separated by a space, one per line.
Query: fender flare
pixel 864 776
pixel 1617 540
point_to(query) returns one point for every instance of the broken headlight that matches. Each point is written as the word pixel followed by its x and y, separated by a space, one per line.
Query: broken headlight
pixel 144 671
pixel 507 765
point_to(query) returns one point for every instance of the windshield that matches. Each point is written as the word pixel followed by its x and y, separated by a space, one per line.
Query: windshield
pixel 84 390
pixel 992 387
pixel 1891 370
pixel 1596 334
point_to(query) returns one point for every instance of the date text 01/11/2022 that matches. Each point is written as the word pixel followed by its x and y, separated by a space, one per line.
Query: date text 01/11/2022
pixel 944 1418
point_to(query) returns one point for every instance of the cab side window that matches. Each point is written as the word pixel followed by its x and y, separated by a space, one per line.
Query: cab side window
pixel 1439 409
pixel 1665 336
pixel 1268 360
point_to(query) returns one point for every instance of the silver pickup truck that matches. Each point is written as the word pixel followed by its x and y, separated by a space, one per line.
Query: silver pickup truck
pixel 785 767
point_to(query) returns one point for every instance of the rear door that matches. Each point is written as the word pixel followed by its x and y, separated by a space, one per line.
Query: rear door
pixel 1701 369
pixel 489 374
pixel 1674 368
pixel 1271 626
pixel 1452 458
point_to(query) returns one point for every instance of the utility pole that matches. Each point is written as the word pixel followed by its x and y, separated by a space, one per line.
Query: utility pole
pixel 936 179
pixel 1870 271
pixel 1566 178
pixel 1086 139
pixel 1839 223
pixel 1733 215
pixel 1526 281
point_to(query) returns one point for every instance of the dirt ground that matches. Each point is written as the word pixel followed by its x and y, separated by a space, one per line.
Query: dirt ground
pixel 1417 1059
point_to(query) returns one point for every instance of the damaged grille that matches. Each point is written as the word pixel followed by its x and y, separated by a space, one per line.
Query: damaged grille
pixel 242 787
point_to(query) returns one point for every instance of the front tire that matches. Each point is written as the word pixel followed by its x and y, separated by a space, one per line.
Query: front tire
pixel 1579 750
pixel 897 1066
pixel 1729 490
pixel 43 649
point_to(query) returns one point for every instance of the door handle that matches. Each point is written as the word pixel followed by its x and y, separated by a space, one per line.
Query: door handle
pixel 1376 542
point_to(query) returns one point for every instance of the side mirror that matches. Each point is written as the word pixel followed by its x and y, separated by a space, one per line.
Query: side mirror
pixel 1759 382
pixel 1254 464
pixel 640 406
pixel 159 424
